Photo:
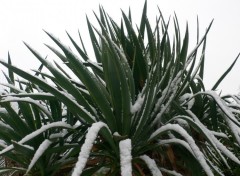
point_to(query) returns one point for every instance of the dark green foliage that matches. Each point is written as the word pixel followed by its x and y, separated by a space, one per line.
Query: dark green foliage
pixel 143 88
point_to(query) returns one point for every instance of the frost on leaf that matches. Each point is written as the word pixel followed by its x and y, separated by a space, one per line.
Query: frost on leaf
pixel 126 157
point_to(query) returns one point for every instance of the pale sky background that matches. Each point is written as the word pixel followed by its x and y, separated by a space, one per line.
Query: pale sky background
pixel 23 20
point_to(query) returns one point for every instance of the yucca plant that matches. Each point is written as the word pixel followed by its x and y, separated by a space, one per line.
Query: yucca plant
pixel 138 108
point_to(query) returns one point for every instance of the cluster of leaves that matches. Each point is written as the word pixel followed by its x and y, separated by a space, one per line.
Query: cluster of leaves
pixel 144 92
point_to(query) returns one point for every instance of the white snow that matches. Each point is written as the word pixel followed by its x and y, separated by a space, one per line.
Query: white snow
pixel 41 149
pixel 224 150
pixel 174 173
pixel 28 146
pixel 138 104
pixel 221 105
pixel 236 98
pixel 125 147
pixel 6 126
pixel 3 143
pixel 25 146
pixel 198 154
pixel 12 87
pixel 116 134
pixel 167 97
pixel 234 128
pixel 14 106
pixel 219 134
pixel 71 98
pixel 215 168
pixel 164 107
pixel 3 110
pixel 68 96
pixel 151 165
pixel 188 99
pixel 232 125
pixel 87 146
pixel 29 100
pixel 215 142
pixel 37 132
pixel 198 77
pixel 209 135
pixel 177 141
pixel 183 123
pixel 56 135
pixel 24 94
pixel 234 110
pixel 229 117
pixel 185 97
pixel 95 64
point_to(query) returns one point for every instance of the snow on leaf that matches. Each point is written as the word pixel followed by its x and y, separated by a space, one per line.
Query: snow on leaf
pixel 125 157
pixel 11 170
pixel 224 149
pixel 6 126
pixel 56 135
pixel 222 105
pixel 215 167
pixel 41 149
pixel 3 110
pixel 234 128
pixel 12 87
pixel 138 104
pixel 29 100
pixel 87 146
pixel 151 165
pixel 170 172
pixel 24 146
pixel 95 64
pixel 219 134
pixel 167 97
pixel 207 134
pixel 198 154
pixel 187 99
pixel 183 123
pixel 24 94
pixel 177 141
pixel 3 143
pixel 37 132
pixel 215 141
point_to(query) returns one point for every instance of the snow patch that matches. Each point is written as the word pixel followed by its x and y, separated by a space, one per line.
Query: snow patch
pixel 137 105
pixel 86 147
pixel 151 165
pixel 36 133
pixel 41 149
pixel 198 154
pixel 27 99
pixel 187 99
pixel 176 141
pixel 126 157
pixel 3 143
pixel 174 173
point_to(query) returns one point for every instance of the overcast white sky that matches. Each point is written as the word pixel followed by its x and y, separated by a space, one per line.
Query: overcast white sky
pixel 23 20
